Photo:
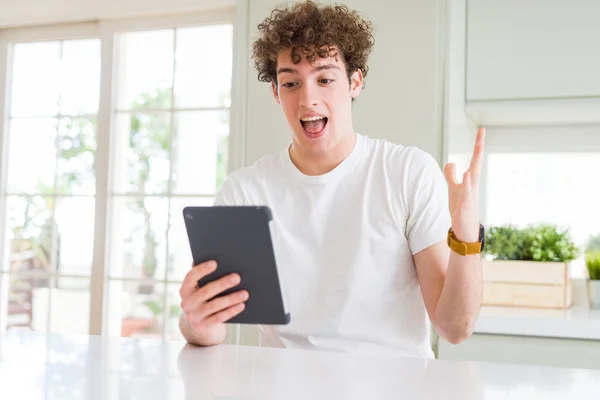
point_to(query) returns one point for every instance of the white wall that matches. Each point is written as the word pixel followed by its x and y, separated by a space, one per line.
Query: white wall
pixel 531 49
pixel 402 101
pixel 34 12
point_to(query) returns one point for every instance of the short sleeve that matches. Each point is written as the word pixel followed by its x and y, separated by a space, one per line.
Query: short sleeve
pixel 427 191
pixel 229 194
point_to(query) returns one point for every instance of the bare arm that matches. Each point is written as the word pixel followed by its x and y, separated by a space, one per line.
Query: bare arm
pixel 451 286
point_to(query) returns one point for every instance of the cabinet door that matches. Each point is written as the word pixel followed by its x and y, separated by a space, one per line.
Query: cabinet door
pixel 533 49
pixel 568 353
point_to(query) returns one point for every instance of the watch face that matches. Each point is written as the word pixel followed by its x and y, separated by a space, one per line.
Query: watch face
pixel 482 236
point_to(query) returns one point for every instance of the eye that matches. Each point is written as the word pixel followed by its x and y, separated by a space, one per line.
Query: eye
pixel 289 85
pixel 325 81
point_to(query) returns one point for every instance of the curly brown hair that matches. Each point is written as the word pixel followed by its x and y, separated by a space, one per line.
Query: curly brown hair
pixel 312 30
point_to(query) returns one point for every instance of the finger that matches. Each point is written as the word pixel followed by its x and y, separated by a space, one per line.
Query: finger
pixel 190 282
pixel 209 291
pixel 466 186
pixel 214 288
pixel 222 303
pixel 450 173
pixel 477 159
pixel 188 286
pixel 225 315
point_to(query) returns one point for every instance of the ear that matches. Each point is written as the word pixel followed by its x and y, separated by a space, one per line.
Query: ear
pixel 275 92
pixel 356 83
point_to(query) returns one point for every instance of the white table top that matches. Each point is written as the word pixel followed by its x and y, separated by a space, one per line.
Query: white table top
pixel 572 323
pixel 38 366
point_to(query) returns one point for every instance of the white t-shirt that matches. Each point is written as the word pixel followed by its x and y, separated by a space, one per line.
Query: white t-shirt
pixel 344 244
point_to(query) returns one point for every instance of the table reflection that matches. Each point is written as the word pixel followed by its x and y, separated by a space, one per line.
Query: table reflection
pixel 51 366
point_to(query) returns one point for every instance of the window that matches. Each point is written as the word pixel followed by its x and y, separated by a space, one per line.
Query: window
pixel 171 129
pixel 544 174
pixel 51 184
pixel 534 188
pixel 168 147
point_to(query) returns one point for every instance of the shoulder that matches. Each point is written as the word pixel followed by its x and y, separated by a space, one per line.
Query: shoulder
pixel 262 169
pixel 243 185
pixel 396 157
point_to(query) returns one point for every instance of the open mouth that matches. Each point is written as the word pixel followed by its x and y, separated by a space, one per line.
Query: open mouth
pixel 314 126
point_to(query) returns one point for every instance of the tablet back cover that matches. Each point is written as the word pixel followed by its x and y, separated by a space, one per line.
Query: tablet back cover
pixel 239 239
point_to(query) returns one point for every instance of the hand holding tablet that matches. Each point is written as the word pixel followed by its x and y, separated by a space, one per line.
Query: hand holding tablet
pixel 205 312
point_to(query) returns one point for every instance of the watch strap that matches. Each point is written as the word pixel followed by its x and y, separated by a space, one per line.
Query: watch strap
pixel 462 248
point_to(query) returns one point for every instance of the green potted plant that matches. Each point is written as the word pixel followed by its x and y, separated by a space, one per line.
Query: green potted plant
pixel 528 266
pixel 592 263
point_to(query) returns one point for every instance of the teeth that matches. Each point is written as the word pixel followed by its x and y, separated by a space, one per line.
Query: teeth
pixel 315 118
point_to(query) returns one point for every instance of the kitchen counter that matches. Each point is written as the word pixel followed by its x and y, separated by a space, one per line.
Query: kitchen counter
pixel 51 366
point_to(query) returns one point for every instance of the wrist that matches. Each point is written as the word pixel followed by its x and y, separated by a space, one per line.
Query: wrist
pixel 201 337
pixel 471 235
pixel 466 244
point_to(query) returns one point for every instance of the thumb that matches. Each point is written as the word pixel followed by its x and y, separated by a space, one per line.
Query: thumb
pixel 450 173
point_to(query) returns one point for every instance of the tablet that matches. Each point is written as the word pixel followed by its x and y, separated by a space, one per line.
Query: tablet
pixel 239 239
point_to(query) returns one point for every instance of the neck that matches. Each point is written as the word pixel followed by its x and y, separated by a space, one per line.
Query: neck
pixel 319 164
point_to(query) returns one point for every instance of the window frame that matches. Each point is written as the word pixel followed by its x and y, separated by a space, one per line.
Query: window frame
pixel 107 31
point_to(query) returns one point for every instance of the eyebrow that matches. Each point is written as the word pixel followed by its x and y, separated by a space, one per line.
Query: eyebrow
pixel 317 68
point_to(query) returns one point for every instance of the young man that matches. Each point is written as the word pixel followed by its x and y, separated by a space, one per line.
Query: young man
pixel 360 225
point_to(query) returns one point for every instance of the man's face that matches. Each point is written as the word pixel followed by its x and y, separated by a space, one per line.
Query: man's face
pixel 317 101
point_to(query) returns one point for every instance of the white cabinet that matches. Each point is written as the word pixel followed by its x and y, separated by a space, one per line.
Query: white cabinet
pixel 533 49
pixel 554 352
pixel 559 338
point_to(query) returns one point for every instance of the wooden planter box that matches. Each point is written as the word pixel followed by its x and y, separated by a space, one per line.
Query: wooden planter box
pixel 526 284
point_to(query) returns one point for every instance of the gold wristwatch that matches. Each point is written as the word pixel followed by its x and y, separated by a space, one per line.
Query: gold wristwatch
pixel 465 248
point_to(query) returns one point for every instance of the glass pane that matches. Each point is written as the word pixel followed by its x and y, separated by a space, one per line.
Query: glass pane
pixel 35 82
pixel 81 284
pixel 138 238
pixel 30 236
pixel 37 304
pixel 28 301
pixel 545 188
pixel 32 156
pixel 145 73
pixel 135 309
pixel 200 151
pixel 554 188
pixel 80 77
pixel 141 162
pixel 74 218
pixel 174 306
pixel 180 257
pixel 203 66
pixel 70 306
pixel 76 150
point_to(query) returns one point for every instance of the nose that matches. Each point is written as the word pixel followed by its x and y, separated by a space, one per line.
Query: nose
pixel 308 96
